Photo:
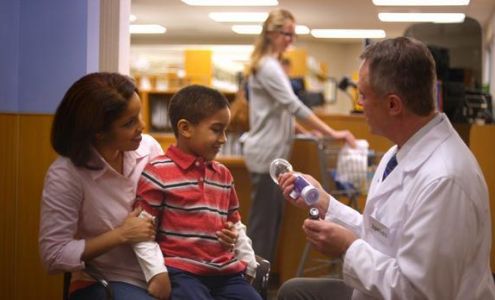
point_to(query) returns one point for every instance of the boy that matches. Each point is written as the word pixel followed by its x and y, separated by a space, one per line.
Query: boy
pixel 195 204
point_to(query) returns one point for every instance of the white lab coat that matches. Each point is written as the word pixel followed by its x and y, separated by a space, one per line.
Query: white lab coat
pixel 425 232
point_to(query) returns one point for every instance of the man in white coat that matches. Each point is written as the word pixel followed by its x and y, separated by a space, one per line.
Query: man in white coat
pixel 425 232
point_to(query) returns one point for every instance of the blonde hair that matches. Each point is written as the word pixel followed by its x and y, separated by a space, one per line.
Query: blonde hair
pixel 263 45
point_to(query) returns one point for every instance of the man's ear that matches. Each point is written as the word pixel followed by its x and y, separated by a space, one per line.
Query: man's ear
pixel 184 128
pixel 395 104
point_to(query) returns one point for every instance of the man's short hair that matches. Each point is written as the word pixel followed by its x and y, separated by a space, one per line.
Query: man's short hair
pixel 403 66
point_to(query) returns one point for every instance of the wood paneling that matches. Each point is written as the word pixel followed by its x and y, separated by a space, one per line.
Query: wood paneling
pixel 8 196
pixel 482 143
pixel 35 156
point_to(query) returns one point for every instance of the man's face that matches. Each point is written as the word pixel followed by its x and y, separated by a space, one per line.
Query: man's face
pixel 374 107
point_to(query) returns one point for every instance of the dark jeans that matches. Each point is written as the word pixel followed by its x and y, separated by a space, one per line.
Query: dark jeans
pixel 265 216
pixel 121 291
pixel 187 286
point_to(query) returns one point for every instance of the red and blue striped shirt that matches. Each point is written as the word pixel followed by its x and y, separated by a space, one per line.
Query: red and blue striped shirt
pixel 192 199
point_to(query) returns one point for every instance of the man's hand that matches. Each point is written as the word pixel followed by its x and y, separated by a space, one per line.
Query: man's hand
pixel 286 183
pixel 228 236
pixel 159 286
pixel 328 238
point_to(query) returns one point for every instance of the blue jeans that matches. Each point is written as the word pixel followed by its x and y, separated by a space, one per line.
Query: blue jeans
pixel 121 291
pixel 187 286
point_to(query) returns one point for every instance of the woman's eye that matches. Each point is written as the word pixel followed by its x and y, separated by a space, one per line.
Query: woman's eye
pixel 130 123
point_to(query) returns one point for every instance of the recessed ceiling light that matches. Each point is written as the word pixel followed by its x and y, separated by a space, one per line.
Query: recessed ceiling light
pixel 238 16
pixel 132 18
pixel 348 33
pixel 247 29
pixel 231 2
pixel 256 29
pixel 422 17
pixel 302 29
pixel 421 2
pixel 147 29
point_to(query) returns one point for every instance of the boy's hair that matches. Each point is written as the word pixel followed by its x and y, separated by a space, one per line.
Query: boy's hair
pixel 195 103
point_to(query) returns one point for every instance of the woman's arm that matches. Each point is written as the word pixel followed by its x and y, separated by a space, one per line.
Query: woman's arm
pixel 60 249
pixel 316 123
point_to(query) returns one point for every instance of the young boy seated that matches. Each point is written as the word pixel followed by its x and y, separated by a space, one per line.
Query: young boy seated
pixel 196 207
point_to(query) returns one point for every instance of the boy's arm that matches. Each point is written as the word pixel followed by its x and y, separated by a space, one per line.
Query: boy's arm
pixel 244 251
pixel 149 254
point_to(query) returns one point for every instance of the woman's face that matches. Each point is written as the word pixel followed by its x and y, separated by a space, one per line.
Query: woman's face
pixel 283 38
pixel 125 132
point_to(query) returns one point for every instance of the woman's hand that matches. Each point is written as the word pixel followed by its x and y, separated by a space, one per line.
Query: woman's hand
pixel 136 229
pixel 346 135
pixel 228 235
pixel 159 286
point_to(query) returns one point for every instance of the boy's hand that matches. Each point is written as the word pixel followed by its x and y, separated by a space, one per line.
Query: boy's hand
pixel 159 286
pixel 228 236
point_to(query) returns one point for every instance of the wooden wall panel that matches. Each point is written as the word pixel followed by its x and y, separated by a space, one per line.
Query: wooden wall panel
pixel 8 196
pixel 482 143
pixel 35 156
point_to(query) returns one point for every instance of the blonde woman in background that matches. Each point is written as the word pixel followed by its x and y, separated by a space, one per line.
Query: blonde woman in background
pixel 273 110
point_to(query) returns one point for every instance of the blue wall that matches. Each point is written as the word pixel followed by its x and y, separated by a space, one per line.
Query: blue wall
pixel 53 44
pixel 9 48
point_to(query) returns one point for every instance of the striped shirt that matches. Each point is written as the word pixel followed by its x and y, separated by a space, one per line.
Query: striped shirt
pixel 192 199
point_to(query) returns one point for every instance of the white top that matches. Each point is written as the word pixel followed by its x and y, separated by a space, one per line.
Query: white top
pixel 272 105
pixel 425 232
pixel 78 204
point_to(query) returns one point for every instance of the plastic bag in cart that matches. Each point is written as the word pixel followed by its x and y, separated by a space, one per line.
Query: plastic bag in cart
pixel 352 166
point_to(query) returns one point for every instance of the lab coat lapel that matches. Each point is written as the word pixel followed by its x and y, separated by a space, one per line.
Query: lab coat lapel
pixel 413 160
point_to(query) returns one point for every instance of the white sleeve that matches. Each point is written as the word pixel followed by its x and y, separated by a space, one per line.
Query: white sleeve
pixel 244 251
pixel 344 215
pixel 149 255
pixel 150 258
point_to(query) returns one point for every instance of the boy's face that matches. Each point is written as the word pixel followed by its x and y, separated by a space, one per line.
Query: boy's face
pixel 207 137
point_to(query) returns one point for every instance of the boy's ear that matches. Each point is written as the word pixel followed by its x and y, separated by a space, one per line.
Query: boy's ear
pixel 184 128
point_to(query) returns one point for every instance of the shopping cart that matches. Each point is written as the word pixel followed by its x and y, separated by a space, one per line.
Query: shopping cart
pixel 346 175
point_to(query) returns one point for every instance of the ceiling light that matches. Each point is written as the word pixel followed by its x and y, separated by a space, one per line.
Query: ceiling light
pixel 348 33
pixel 422 17
pixel 256 29
pixel 302 29
pixel 147 28
pixel 421 2
pixel 247 29
pixel 238 16
pixel 132 18
pixel 231 2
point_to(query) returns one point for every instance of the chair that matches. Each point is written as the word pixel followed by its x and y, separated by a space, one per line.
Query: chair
pixel 95 274
pixel 260 283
